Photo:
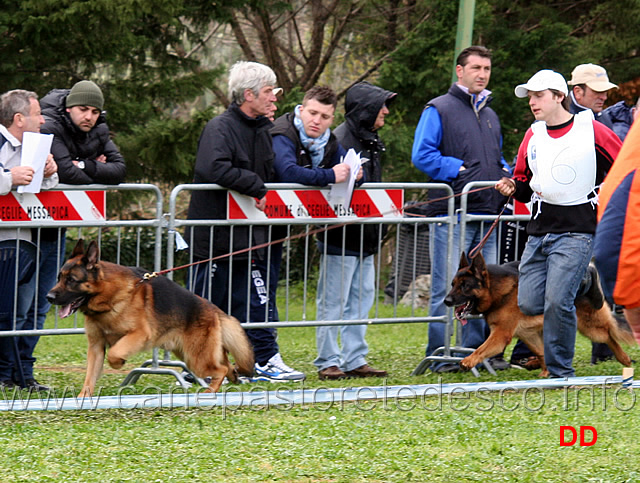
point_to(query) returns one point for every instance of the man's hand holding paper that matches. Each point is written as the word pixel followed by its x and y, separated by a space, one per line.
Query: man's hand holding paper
pixel 36 150
pixel 341 192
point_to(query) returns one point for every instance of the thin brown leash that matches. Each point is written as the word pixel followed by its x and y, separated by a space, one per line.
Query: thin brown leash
pixel 149 276
pixel 473 253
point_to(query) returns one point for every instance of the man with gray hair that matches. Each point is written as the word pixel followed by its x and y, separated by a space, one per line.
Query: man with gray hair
pixel 20 113
pixel 235 152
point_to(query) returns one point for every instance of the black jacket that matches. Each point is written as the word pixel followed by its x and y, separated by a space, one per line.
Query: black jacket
pixel 234 151
pixel 362 105
pixel 71 143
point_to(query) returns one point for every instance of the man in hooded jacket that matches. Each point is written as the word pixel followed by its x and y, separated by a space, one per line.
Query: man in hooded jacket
pixel 346 285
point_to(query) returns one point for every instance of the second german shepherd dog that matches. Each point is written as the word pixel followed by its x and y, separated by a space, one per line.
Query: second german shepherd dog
pixel 128 314
pixel 492 291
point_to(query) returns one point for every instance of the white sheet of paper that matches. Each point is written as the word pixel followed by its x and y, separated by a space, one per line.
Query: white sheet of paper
pixel 35 150
pixel 341 193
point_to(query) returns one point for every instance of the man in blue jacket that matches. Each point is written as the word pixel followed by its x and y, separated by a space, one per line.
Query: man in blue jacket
pixel 457 141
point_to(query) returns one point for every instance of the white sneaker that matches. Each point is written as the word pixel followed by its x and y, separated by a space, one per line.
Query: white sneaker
pixel 276 370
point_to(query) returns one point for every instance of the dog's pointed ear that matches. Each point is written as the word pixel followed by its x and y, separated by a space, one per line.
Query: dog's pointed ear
pixel 464 261
pixel 92 255
pixel 78 249
pixel 478 264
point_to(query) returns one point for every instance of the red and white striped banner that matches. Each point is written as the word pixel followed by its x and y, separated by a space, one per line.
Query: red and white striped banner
pixel 54 205
pixel 365 203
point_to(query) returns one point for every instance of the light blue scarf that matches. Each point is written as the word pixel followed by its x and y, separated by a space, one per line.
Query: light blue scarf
pixel 314 146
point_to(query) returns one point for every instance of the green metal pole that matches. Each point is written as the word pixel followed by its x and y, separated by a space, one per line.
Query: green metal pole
pixel 464 33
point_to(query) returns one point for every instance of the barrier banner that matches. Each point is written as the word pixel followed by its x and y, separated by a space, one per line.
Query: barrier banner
pixel 54 205
pixel 365 203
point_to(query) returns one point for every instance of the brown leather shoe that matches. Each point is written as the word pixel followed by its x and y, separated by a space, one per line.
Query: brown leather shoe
pixel 366 371
pixel 331 373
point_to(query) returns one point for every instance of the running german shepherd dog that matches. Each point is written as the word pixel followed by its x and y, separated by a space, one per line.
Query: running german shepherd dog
pixel 492 291
pixel 127 314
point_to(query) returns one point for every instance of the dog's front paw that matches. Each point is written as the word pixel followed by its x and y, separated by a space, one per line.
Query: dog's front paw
pixel 116 362
pixel 544 374
pixel 467 363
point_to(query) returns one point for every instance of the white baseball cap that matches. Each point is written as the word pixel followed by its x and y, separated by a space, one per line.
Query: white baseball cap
pixel 543 80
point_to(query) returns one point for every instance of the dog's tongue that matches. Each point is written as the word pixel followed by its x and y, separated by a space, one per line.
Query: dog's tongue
pixel 459 312
pixel 64 311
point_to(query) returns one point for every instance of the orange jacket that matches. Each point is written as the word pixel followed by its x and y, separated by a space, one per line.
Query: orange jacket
pixel 617 241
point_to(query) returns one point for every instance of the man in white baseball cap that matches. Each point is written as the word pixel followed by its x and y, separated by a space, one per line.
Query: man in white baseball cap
pixel 541 81
pixel 561 161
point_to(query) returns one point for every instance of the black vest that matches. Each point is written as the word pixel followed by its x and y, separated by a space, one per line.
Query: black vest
pixel 474 137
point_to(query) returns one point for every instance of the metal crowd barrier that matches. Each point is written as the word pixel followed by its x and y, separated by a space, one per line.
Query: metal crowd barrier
pixel 163 229
pixel 508 249
pixel 79 211
pixel 177 224
pixel 305 224
pixel 98 228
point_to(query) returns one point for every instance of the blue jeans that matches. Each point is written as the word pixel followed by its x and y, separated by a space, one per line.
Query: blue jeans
pixel 25 296
pixel 51 259
pixel 475 331
pixel 551 271
pixel 346 290
pixel 211 281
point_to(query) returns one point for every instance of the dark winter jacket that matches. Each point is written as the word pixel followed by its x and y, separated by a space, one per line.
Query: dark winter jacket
pixel 72 144
pixel 618 117
pixel 362 105
pixel 234 151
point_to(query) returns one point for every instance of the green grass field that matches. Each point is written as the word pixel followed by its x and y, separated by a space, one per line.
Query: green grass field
pixel 499 437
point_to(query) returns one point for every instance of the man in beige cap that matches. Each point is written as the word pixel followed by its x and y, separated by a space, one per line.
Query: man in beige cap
pixel 589 86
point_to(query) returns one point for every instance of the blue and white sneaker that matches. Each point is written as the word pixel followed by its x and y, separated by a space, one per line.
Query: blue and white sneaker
pixel 275 370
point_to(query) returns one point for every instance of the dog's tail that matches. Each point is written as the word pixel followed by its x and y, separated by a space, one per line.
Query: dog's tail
pixel 235 340
pixel 620 331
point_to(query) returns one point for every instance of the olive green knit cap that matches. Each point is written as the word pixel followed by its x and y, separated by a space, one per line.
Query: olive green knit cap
pixel 85 93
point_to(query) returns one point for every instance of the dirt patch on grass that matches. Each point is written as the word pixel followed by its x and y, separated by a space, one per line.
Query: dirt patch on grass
pixel 82 369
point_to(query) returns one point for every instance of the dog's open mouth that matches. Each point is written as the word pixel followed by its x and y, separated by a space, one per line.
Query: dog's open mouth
pixel 464 311
pixel 67 310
